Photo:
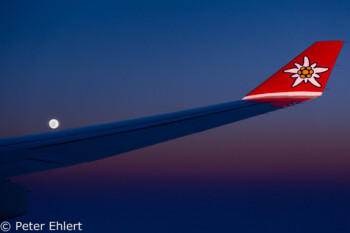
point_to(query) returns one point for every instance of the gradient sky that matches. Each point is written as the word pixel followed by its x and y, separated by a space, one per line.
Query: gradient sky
pixel 90 62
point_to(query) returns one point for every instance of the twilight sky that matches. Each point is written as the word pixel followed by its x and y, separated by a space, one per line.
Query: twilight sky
pixel 90 62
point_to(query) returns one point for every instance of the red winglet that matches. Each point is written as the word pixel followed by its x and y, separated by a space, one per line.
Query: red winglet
pixel 303 78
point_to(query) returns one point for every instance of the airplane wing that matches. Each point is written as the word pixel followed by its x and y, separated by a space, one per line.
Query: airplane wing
pixel 35 153
pixel 301 79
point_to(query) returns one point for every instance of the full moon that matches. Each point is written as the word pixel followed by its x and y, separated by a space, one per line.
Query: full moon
pixel 53 123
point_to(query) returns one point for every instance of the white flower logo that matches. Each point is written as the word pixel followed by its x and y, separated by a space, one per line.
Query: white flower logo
pixel 306 73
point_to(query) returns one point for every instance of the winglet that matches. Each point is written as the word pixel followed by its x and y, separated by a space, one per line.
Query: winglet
pixel 303 78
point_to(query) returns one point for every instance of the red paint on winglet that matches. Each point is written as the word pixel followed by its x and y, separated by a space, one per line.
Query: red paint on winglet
pixel 318 61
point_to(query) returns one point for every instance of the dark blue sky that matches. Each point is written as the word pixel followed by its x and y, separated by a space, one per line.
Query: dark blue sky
pixel 86 62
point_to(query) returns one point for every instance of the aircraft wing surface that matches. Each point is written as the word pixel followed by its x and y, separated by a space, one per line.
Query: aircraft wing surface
pixel 34 153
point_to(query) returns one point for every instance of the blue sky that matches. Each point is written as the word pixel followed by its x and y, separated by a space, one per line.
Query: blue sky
pixel 90 62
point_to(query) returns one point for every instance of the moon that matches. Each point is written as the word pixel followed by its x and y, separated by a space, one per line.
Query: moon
pixel 53 123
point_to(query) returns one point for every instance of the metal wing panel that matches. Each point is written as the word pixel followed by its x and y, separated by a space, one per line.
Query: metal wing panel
pixel 67 147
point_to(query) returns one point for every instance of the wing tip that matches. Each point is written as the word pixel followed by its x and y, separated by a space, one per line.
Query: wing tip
pixel 304 78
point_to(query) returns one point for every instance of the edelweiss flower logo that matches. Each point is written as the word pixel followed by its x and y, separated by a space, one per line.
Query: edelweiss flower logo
pixel 306 73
